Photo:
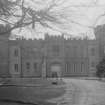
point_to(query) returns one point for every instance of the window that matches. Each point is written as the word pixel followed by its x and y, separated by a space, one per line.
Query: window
pixel 82 67
pixel 93 64
pixel 92 51
pixel 74 67
pixel 28 65
pixel 104 49
pixel 16 52
pixel 68 67
pixel 35 66
pixel 55 50
pixel 16 67
pixel 75 51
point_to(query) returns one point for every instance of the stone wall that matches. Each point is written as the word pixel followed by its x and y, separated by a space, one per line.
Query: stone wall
pixel 4 57
pixel 73 56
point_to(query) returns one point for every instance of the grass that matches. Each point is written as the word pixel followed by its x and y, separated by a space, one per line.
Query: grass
pixel 34 94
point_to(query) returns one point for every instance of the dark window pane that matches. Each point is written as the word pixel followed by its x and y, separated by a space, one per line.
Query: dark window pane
pixel 28 65
pixel 92 51
pixel 35 66
pixel 16 52
pixel 16 67
pixel 55 50
pixel 93 64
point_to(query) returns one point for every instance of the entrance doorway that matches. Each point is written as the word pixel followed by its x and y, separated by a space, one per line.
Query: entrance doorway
pixel 56 70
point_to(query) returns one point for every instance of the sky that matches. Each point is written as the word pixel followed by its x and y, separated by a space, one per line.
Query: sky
pixel 83 12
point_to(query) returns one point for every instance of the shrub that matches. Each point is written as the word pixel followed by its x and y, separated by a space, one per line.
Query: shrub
pixel 100 68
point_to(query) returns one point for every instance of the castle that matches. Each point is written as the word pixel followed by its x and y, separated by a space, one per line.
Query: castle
pixel 43 57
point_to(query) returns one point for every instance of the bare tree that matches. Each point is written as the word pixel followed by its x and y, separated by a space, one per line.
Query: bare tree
pixel 42 12
pixel 27 16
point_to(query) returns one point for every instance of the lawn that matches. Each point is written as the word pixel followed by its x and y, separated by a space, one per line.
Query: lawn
pixel 32 93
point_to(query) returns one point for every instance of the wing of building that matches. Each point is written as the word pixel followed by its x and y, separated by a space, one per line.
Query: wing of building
pixel 54 54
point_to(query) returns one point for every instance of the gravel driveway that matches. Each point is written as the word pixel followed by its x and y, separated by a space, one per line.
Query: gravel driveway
pixel 82 92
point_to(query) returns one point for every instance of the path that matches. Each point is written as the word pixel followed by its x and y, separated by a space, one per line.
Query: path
pixel 82 92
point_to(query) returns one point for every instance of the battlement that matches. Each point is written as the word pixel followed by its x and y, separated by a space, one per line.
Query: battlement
pixel 54 37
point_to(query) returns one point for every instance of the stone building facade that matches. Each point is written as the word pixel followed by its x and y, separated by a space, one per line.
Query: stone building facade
pixel 54 54
pixel 66 57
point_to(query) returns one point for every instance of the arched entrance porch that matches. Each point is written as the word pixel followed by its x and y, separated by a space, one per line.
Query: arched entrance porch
pixel 55 69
